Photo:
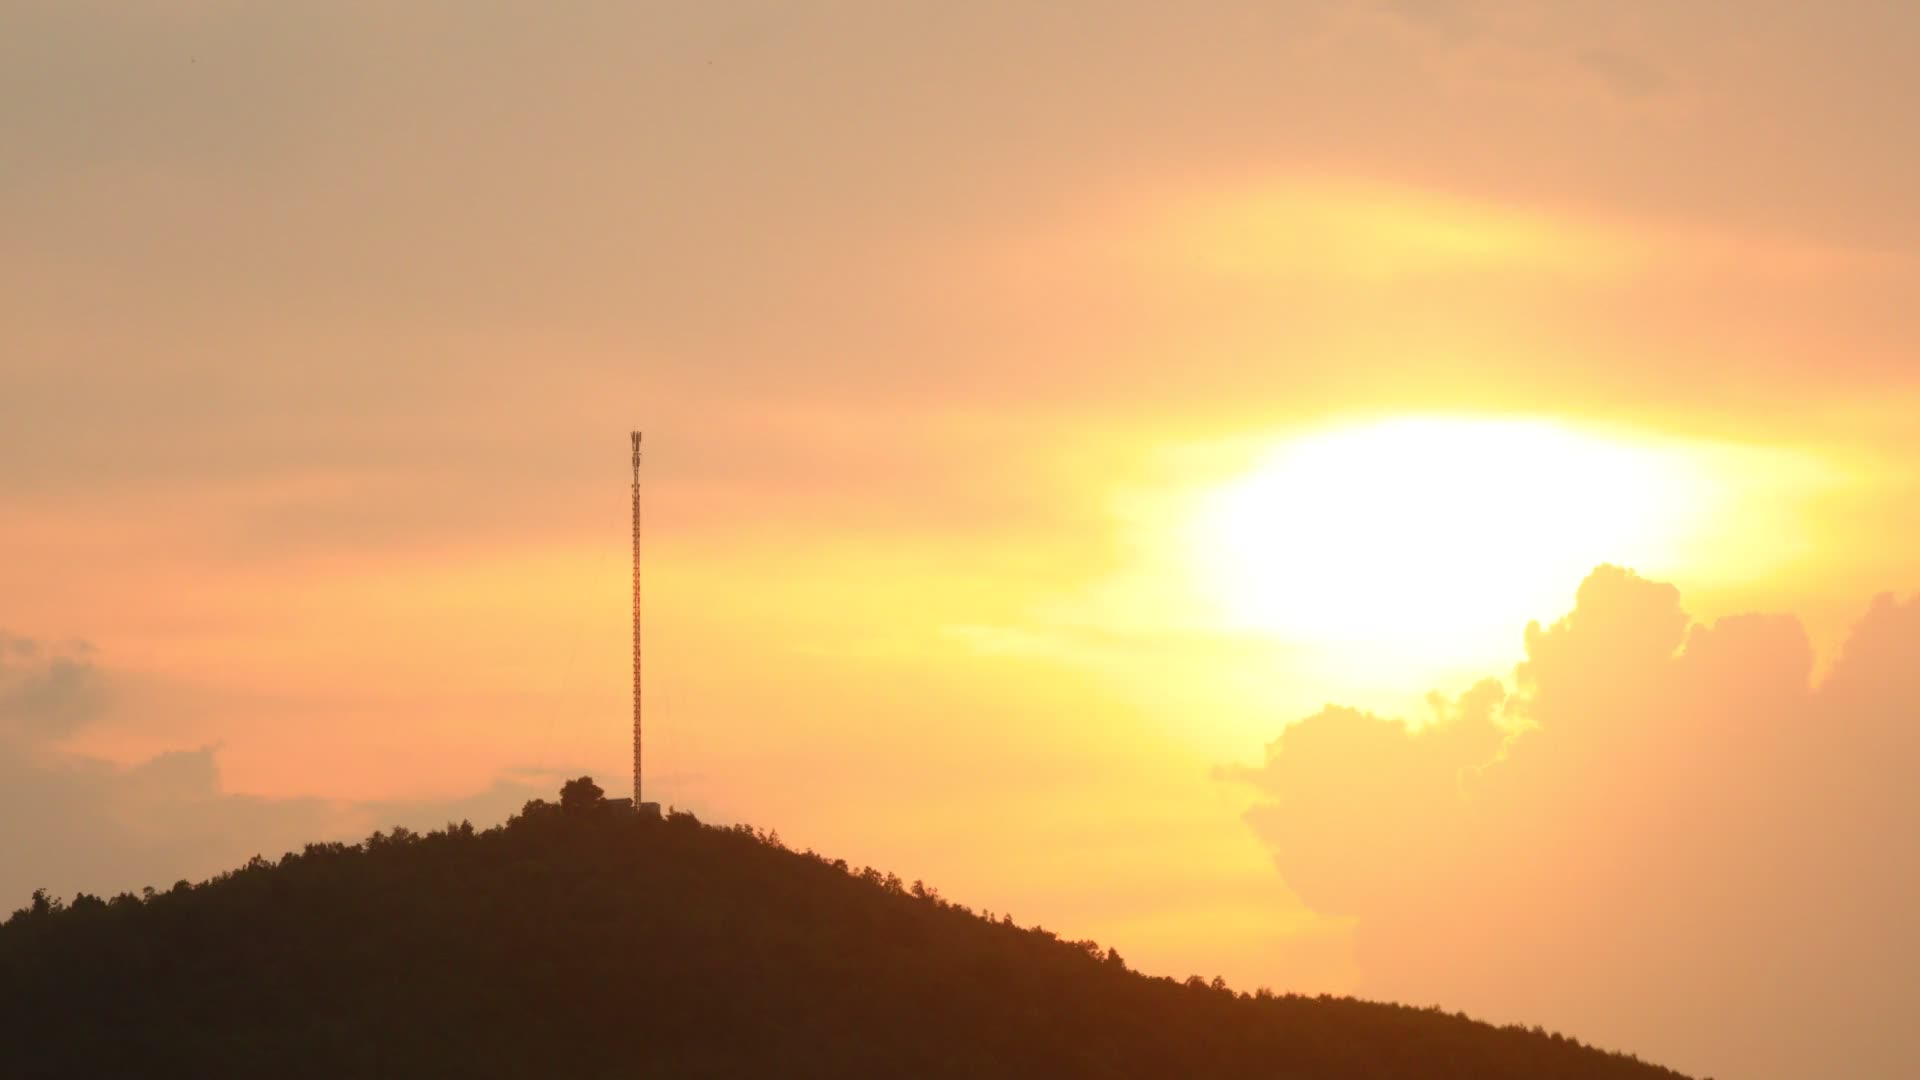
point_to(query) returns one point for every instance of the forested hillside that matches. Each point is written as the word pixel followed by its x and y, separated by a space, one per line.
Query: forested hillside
pixel 582 941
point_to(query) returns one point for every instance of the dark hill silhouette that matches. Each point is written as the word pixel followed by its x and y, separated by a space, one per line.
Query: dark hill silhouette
pixel 581 941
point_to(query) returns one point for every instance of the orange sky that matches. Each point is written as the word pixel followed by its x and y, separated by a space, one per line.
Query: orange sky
pixel 322 327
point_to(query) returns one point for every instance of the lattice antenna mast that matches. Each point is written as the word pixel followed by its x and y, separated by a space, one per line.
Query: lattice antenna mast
pixel 636 622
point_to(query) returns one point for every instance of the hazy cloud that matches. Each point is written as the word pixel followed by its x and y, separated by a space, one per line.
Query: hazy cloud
pixel 1453 20
pixel 1625 73
pixel 71 822
pixel 1667 837
pixel 47 691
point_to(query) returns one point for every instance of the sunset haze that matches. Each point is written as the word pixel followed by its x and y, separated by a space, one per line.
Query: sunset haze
pixel 1406 499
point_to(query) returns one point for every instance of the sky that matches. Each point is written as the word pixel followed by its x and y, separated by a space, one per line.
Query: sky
pixel 1408 498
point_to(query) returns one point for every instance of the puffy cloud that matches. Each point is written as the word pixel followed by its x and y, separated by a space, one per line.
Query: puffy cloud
pixel 1344 781
pixel 1667 839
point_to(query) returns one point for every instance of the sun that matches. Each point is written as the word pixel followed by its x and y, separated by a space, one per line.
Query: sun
pixel 1436 539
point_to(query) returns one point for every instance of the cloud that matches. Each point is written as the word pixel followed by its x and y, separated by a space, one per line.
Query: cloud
pixel 1667 838
pixel 1624 73
pixel 1452 20
pixel 46 690
pixel 1343 781
pixel 73 822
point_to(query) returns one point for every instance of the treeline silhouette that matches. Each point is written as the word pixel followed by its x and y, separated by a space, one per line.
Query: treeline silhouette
pixel 582 941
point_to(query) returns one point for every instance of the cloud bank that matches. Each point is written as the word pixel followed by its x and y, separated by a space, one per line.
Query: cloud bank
pixel 1668 838
pixel 70 822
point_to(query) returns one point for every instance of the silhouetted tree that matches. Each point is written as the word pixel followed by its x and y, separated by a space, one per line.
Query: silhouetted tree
pixel 581 794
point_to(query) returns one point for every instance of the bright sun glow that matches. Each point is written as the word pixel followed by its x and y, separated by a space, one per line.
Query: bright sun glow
pixel 1438 539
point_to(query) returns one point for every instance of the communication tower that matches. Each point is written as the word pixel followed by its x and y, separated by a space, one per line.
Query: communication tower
pixel 638 806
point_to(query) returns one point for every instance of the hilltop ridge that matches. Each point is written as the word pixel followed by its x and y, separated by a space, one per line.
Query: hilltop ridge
pixel 578 941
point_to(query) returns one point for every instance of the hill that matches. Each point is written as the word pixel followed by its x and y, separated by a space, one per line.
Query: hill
pixel 581 941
